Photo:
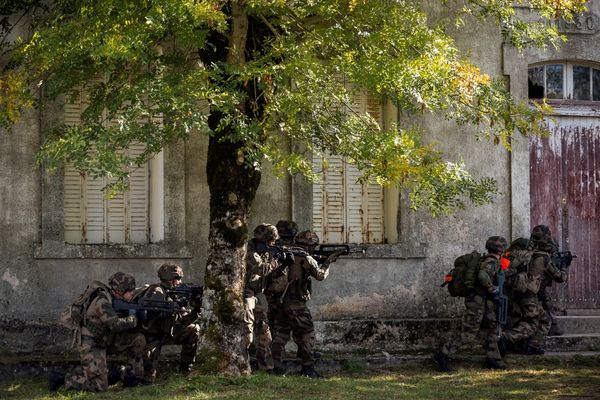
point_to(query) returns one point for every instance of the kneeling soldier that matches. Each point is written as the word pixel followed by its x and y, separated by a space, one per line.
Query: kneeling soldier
pixel 103 331
pixel 180 329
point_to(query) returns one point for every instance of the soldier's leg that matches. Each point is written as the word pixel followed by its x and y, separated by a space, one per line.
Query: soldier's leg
pixel 151 357
pixel 304 330
pixel 92 375
pixel 134 345
pixel 542 327
pixel 282 335
pixel 526 326
pixel 248 327
pixel 188 337
pixel 489 335
pixel 262 334
pixel 471 322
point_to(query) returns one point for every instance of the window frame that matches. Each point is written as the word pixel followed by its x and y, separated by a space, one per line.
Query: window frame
pixel 568 81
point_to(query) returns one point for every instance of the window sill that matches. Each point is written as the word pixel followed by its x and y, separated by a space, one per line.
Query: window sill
pixel 57 250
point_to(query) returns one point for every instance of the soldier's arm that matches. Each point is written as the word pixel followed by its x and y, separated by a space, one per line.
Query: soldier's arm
pixel 109 318
pixel 557 274
pixel 260 264
pixel 487 270
pixel 312 267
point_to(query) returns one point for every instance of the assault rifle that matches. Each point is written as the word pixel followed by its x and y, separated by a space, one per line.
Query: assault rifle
pixel 562 259
pixel 501 301
pixel 187 295
pixel 324 251
pixel 146 309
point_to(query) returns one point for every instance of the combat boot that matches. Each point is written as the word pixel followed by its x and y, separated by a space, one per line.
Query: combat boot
pixel 56 379
pixel 309 372
pixel 185 368
pixel 279 371
pixel 115 373
pixel 441 361
pixel 490 363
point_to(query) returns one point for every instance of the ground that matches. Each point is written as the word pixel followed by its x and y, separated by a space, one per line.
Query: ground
pixel 527 378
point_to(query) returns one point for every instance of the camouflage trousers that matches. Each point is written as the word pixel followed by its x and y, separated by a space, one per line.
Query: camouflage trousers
pixel 92 375
pixel 256 328
pixel 528 317
pixel 187 336
pixel 479 318
pixel 294 318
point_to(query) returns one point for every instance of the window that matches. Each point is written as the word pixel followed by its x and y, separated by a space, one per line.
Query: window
pixel 344 210
pixel 135 216
pixel 565 81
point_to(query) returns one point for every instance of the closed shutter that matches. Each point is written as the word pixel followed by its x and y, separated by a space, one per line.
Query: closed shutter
pixel 345 210
pixel 91 218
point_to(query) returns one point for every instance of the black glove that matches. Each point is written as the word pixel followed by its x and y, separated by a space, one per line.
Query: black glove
pixel 288 258
pixel 142 315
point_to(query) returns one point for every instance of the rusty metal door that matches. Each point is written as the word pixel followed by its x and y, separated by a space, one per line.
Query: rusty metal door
pixel 565 195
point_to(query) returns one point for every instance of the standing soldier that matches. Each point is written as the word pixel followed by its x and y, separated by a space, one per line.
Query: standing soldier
pixel 480 313
pixel 181 329
pixel 103 331
pixel 261 260
pixel 294 316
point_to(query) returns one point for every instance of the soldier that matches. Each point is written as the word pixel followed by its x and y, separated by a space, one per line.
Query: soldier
pixel 261 260
pixel 102 332
pixel 534 322
pixel 480 313
pixel 181 329
pixel 294 316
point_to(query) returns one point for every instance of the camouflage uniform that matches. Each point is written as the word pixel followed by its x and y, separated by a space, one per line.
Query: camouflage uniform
pixel 535 323
pixel 105 332
pixel 259 264
pixel 294 316
pixel 180 329
pixel 480 312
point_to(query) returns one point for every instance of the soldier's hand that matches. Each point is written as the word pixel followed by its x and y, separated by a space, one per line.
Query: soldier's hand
pixel 289 258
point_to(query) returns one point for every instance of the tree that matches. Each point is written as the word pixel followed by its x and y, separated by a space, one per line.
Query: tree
pixel 253 75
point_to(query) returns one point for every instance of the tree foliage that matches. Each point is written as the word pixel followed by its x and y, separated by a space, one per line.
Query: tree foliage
pixel 273 71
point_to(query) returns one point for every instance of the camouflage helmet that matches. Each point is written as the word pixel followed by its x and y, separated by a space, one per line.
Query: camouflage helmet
pixel 287 229
pixel 541 233
pixel 306 238
pixel 496 244
pixel 168 272
pixel 121 282
pixel 266 233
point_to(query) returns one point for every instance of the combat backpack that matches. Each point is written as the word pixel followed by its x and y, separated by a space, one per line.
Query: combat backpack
pixel 73 316
pixel 461 279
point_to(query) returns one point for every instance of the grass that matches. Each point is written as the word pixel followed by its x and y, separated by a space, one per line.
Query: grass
pixel 529 379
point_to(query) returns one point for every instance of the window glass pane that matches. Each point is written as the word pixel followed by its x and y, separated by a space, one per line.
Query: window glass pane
pixel 596 84
pixel 535 82
pixel 554 81
pixel 581 83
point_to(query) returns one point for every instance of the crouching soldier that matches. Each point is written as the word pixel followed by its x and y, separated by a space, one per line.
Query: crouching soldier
pixel 99 330
pixel 180 329
pixel 293 314
pixel 480 312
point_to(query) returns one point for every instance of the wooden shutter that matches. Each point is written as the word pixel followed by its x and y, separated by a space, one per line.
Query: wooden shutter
pixel 89 216
pixel 345 210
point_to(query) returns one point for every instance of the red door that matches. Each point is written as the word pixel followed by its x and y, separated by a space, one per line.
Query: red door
pixel 565 195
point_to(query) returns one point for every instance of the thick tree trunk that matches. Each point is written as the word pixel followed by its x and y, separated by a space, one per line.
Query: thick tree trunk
pixel 232 188
pixel 233 184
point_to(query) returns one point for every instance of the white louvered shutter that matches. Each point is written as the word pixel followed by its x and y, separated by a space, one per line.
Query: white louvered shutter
pixel 138 198
pixel 91 218
pixel 344 210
